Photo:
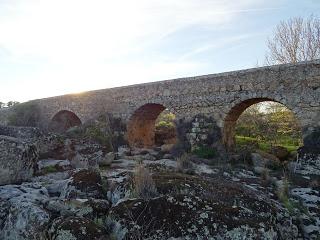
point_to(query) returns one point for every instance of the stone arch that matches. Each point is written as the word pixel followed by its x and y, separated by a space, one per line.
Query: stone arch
pixel 63 120
pixel 229 123
pixel 141 125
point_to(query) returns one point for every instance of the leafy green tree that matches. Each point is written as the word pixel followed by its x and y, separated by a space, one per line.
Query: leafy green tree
pixel 165 118
pixel 25 114
pixel 270 123
pixel 250 121
pixel 165 129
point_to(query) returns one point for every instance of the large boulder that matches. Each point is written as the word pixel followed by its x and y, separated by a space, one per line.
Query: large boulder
pixel 280 152
pixel 82 153
pixel 307 164
pixel 88 208
pixel 107 159
pixel 17 159
pixel 223 209
pixel 89 153
pixel 262 159
pixel 51 146
pixel 123 152
pixel 311 143
pixel 258 160
pixel 21 213
pixel 79 228
pixel 174 217
pixel 166 148
pixel 83 184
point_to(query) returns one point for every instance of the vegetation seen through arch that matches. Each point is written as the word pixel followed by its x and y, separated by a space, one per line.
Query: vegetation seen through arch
pixel 267 124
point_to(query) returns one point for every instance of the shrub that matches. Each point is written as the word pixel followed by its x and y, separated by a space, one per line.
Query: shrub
pixel 144 186
pixel 265 177
pixel 25 115
pixel 166 117
pixel 205 152
pixel 163 124
pixel 184 163
pixel 96 130
pixel 165 132
pixel 95 133
pixel 75 132
pixel 283 195
pixel 114 228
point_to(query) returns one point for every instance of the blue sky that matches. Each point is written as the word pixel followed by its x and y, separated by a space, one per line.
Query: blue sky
pixel 50 48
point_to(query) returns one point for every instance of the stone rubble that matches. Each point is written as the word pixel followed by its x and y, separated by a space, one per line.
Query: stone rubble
pixel 61 201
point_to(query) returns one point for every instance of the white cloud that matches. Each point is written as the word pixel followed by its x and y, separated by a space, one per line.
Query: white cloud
pixel 76 28
pixel 90 44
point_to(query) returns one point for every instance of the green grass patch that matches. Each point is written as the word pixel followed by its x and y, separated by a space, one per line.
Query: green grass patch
pixel 50 169
pixel 245 140
pixel 263 146
pixel 290 148
pixel 290 145
pixel 205 152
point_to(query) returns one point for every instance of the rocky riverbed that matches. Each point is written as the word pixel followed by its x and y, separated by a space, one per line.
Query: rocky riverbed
pixel 78 190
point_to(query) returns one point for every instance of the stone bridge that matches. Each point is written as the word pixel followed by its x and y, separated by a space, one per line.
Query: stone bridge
pixel 217 98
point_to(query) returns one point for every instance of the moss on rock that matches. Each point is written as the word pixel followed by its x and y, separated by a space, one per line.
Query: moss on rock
pixel 200 208
pixel 76 228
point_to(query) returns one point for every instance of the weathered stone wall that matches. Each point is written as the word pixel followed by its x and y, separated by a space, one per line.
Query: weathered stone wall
pixel 200 131
pixel 220 96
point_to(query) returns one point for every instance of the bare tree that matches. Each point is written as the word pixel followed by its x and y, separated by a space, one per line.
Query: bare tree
pixel 294 40
pixel 12 103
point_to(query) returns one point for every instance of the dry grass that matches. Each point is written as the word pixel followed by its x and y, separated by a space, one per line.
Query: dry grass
pixel 144 186
pixel 265 177
pixel 184 163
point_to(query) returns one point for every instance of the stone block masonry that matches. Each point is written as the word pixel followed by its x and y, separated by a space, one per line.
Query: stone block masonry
pixel 221 97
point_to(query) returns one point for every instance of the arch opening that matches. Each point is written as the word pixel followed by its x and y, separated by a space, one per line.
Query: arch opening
pixel 151 125
pixel 64 120
pixel 261 123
